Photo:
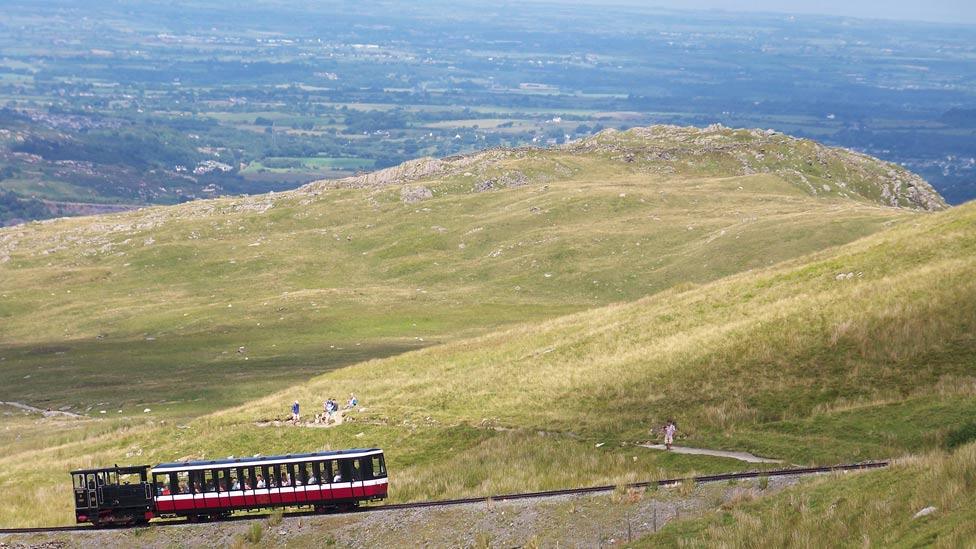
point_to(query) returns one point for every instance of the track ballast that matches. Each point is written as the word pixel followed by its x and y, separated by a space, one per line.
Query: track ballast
pixel 511 497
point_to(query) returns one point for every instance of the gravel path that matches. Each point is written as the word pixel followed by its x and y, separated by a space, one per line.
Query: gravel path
pixel 741 456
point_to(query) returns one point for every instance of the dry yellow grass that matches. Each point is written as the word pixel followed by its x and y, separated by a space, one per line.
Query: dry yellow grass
pixel 745 361
pixel 875 509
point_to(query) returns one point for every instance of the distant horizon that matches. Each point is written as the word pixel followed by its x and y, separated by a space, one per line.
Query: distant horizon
pixel 957 12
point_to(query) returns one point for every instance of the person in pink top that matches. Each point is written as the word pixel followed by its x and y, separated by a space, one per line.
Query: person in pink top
pixel 669 431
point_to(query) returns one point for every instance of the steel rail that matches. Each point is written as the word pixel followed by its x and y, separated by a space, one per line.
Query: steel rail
pixel 799 471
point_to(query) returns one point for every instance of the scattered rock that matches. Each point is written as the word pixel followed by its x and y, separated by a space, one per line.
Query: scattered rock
pixel 925 512
pixel 485 185
pixel 410 194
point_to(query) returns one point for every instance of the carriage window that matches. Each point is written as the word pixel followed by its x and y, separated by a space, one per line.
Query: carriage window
pixel 332 468
pixel 379 467
pixel 182 483
pixel 357 472
pixel 229 480
pixel 79 481
pixel 208 481
pixel 161 480
pixel 197 485
pixel 343 471
pixel 130 478
pixel 272 477
pixel 246 478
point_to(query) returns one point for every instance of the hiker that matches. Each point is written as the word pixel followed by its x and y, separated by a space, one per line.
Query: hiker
pixel 353 402
pixel 669 431
pixel 330 410
pixel 294 412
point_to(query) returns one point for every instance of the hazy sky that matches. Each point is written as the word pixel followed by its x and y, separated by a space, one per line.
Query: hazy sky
pixel 951 11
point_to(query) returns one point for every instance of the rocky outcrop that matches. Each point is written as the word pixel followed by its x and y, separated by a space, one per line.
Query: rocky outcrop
pixel 410 171
pixel 410 194
pixel 676 150
pixel 816 168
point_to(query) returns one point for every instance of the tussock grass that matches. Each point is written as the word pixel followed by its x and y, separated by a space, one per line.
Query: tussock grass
pixel 789 362
pixel 312 282
pixel 254 533
pixel 874 509
pixel 762 346
pixel 754 356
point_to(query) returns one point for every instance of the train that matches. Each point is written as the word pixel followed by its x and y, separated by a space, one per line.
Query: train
pixel 212 490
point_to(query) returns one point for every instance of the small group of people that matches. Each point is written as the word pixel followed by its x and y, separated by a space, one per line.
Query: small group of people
pixel 330 410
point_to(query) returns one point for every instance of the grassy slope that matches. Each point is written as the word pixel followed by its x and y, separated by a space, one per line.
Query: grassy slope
pixel 308 282
pixel 787 361
pixel 866 510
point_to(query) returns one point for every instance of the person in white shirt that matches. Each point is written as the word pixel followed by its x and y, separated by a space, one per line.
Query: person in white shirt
pixel 669 431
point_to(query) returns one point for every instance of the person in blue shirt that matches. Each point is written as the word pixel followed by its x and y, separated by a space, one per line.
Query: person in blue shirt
pixel 294 412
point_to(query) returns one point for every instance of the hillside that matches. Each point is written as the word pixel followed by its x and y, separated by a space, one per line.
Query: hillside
pixel 856 352
pixel 877 510
pixel 212 303
pixel 676 152
pixel 860 352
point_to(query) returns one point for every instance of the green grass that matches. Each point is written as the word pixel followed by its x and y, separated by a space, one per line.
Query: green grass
pixel 310 163
pixel 863 510
pixel 582 309
pixel 314 282
pixel 767 361
pixel 789 361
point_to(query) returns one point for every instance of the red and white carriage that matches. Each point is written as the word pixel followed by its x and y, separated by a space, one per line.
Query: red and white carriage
pixel 322 480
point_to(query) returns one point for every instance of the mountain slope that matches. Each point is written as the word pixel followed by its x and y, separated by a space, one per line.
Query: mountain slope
pixel 214 302
pixel 874 509
pixel 673 151
pixel 793 360
pixel 843 346
pixel 862 351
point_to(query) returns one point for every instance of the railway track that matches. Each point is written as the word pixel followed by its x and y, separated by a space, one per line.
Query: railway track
pixel 511 497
